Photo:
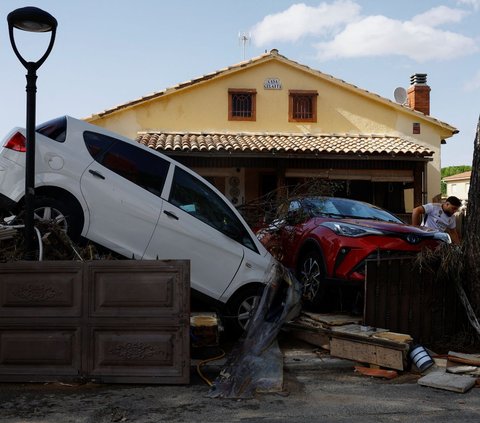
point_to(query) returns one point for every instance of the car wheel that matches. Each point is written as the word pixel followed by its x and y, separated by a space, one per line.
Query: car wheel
pixel 311 273
pixel 240 310
pixel 61 213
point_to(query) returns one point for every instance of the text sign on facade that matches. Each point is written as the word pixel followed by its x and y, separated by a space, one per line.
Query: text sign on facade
pixel 272 84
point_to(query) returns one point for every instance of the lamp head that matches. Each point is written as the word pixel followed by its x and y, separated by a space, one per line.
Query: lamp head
pixel 31 19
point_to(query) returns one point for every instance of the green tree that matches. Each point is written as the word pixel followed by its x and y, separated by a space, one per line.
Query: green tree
pixel 449 171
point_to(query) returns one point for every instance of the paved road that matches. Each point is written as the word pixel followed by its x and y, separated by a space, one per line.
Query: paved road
pixel 317 389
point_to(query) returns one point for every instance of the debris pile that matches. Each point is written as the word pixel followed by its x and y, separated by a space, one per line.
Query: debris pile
pixel 255 364
pixel 52 244
pixel 382 353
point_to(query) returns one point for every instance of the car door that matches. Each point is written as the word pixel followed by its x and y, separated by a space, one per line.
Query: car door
pixel 197 224
pixel 292 231
pixel 122 189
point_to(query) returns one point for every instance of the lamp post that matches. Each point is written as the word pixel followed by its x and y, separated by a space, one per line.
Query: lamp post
pixel 31 19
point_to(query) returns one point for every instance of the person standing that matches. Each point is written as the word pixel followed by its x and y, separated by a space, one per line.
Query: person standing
pixel 439 216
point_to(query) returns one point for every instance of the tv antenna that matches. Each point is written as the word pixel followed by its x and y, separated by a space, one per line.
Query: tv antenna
pixel 244 38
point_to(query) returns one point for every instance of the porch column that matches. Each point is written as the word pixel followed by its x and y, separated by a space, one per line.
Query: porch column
pixel 418 184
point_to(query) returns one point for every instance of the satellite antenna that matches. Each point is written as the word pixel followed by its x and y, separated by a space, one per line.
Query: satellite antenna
pixel 400 95
pixel 244 38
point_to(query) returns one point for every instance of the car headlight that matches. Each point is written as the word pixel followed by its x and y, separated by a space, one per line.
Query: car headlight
pixel 443 236
pixel 348 229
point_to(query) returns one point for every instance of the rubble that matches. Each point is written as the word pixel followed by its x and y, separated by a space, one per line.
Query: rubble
pixel 442 380
pixel 52 244
pixel 255 364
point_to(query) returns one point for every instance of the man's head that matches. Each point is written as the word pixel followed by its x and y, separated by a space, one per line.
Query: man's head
pixel 451 205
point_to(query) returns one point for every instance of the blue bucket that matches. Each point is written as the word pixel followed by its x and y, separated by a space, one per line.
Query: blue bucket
pixel 421 358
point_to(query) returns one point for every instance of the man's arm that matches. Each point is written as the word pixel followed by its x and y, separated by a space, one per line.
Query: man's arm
pixel 454 235
pixel 417 213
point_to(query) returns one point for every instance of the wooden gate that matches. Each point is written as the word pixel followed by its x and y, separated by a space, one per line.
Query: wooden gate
pixel 107 321
pixel 401 298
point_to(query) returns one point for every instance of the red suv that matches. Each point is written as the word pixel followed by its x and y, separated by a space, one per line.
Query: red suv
pixel 328 239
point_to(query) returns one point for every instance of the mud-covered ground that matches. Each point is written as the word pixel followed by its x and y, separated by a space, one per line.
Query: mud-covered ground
pixel 316 388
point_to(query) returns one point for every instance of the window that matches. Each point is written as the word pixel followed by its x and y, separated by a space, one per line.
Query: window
pixel 55 129
pixel 302 106
pixel 141 167
pixel 197 199
pixel 242 104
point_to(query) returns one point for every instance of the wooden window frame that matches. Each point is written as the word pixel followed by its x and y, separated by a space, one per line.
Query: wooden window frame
pixel 306 93
pixel 253 93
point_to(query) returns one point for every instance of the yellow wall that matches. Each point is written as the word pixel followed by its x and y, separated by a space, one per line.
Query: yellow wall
pixel 203 107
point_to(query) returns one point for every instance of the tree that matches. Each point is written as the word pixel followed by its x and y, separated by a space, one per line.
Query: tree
pixel 471 243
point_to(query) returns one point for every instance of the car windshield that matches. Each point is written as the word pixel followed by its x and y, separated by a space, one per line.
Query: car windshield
pixel 344 208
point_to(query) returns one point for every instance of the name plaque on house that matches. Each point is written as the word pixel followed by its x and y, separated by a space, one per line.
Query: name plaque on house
pixel 272 84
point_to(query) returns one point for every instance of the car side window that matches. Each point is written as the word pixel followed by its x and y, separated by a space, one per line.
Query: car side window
pixel 197 199
pixel 55 129
pixel 141 167
pixel 97 144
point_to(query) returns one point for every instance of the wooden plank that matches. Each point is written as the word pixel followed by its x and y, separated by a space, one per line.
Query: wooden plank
pixel 470 359
pixel 332 319
pixel 363 352
pixel 394 336
pixel 447 381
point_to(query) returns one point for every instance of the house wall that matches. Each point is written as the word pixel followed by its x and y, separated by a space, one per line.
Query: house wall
pixel 203 107
pixel 458 189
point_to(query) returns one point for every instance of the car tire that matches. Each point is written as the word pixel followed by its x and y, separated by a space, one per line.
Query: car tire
pixel 62 213
pixel 240 309
pixel 311 273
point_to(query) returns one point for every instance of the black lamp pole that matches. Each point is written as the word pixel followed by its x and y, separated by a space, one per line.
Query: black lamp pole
pixel 31 19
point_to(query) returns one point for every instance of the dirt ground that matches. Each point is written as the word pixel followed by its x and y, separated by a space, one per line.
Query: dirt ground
pixel 317 387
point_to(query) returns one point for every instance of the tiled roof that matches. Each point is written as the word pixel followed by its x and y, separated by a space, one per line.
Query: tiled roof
pixel 281 143
pixel 458 176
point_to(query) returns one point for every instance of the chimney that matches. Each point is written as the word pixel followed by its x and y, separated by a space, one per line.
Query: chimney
pixel 419 93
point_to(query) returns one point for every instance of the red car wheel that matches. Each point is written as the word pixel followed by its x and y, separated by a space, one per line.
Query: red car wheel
pixel 311 273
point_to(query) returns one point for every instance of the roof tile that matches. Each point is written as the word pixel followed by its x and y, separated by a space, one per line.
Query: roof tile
pixel 282 143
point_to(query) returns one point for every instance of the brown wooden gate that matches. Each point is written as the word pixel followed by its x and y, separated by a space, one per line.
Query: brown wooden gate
pixel 402 298
pixel 106 321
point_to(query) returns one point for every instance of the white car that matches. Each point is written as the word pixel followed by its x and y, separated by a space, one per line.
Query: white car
pixel 141 204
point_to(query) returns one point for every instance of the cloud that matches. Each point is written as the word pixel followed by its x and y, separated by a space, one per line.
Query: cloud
pixel 473 84
pixel 438 16
pixel 473 3
pixel 300 20
pixel 340 31
pixel 382 36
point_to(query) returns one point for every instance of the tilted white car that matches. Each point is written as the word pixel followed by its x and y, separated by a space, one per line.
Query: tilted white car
pixel 141 204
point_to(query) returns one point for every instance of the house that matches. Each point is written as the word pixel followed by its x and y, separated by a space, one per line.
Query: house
pixel 270 122
pixel 458 185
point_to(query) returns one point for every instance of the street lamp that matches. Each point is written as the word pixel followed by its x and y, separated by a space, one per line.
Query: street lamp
pixel 31 19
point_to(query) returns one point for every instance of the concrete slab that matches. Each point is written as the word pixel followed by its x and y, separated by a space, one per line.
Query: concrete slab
pixel 447 381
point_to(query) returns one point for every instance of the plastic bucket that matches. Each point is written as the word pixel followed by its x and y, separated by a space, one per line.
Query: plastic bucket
pixel 420 357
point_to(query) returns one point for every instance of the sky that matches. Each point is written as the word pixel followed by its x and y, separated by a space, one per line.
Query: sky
pixel 109 52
